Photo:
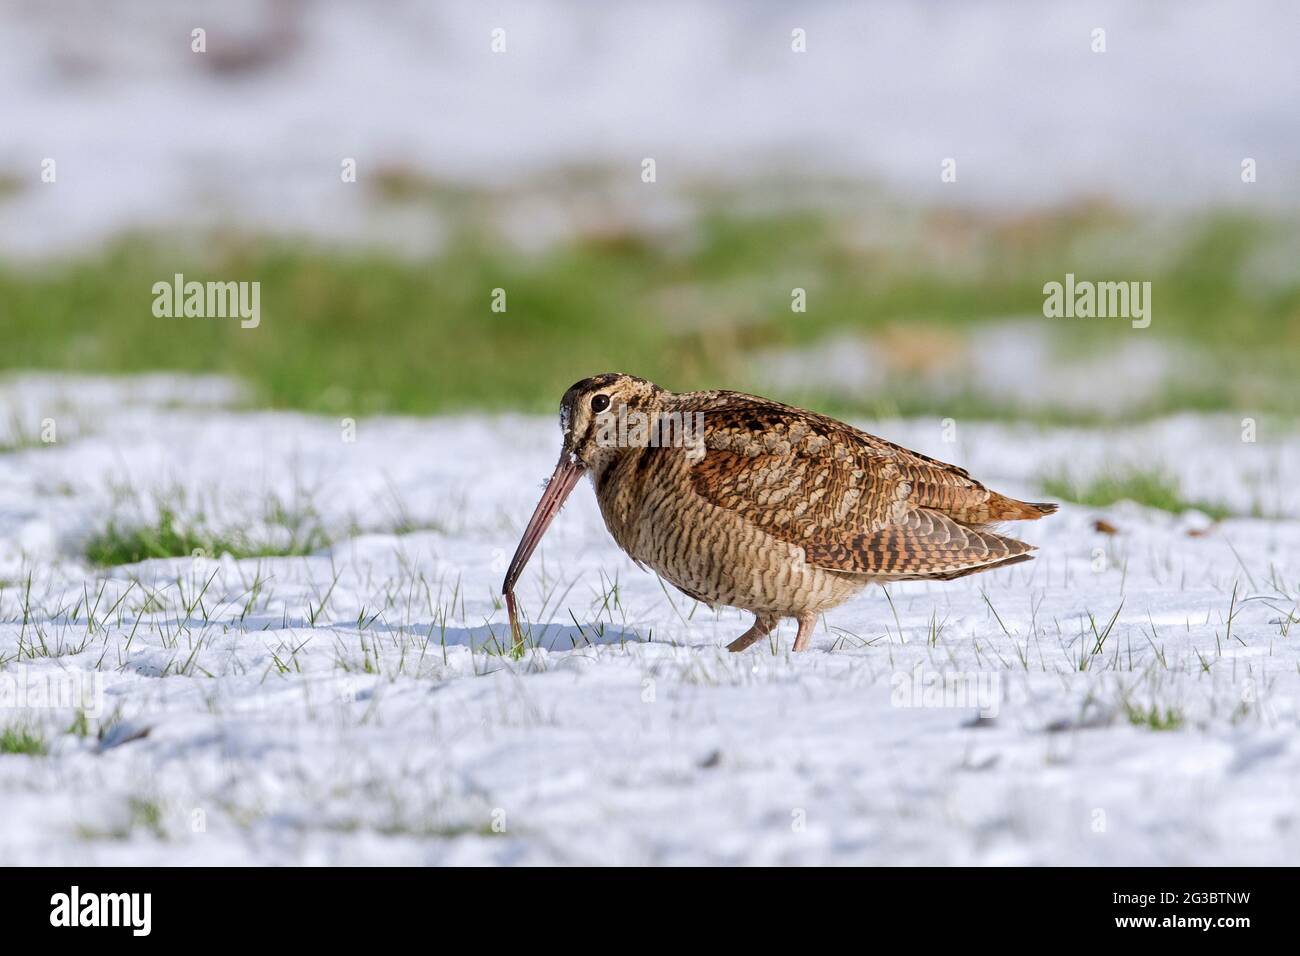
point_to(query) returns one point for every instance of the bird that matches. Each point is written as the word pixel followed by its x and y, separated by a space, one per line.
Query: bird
pixel 746 502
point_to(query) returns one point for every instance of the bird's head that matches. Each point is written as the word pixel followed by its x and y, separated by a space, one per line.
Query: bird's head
pixel 590 416
pixel 592 409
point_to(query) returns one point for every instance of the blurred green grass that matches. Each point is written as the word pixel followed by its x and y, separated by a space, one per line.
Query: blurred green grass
pixel 362 330
pixel 1151 487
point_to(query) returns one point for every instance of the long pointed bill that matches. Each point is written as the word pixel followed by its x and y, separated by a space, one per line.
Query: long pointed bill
pixel 567 473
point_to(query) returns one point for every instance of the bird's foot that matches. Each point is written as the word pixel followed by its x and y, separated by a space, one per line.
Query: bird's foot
pixel 804 637
pixel 763 625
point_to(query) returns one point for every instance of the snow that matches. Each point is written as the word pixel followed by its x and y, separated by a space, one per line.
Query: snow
pixel 146 132
pixel 356 709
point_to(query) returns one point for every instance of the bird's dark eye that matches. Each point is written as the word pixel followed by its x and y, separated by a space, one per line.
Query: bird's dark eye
pixel 599 403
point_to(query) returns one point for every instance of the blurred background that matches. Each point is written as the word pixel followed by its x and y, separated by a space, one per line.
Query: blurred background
pixel 503 145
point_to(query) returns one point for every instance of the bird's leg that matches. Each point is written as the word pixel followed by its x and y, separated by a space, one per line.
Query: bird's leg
pixel 804 637
pixel 763 625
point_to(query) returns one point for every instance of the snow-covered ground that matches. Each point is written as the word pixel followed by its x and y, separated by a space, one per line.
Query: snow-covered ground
pixel 353 706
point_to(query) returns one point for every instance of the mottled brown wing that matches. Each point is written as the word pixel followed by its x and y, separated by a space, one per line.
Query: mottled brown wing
pixel 924 543
pixel 855 502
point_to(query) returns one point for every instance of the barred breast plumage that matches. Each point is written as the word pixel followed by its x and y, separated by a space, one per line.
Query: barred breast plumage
pixel 742 501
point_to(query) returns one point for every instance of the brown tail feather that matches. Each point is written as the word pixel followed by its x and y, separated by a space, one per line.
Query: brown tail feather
pixel 1002 508
pixel 984 567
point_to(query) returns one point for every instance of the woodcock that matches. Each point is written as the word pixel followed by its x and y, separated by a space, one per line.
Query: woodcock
pixel 742 501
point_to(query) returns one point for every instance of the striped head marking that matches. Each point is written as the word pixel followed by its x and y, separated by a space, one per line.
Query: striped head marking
pixel 591 408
